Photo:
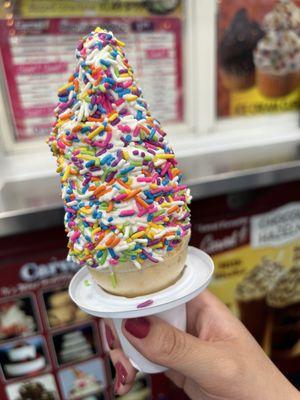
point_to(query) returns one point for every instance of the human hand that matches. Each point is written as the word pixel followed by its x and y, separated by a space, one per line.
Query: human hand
pixel 216 359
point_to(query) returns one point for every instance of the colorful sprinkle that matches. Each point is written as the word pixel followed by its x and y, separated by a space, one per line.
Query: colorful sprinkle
pixel 146 303
pixel 122 190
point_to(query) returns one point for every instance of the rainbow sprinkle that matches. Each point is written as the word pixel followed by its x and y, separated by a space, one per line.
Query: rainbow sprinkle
pixel 122 190
pixel 146 303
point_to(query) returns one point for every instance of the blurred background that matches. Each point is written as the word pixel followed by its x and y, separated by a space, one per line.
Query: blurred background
pixel 224 79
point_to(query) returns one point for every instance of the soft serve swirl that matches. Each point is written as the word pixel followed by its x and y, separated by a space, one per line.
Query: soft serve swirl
pixel 122 190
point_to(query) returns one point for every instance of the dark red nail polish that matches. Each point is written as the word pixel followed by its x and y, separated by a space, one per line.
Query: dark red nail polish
pixel 138 327
pixel 121 372
pixel 109 336
pixel 117 384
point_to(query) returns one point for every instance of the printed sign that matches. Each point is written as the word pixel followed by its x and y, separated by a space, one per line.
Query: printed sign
pixel 38 56
pixel 49 348
pixel 254 239
pixel 101 8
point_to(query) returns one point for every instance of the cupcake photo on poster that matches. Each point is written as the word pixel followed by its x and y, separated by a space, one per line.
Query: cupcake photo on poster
pixel 40 388
pixel 258 57
pixel 25 357
pixel 83 381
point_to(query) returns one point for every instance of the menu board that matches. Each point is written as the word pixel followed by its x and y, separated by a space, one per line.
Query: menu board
pixel 49 348
pixel 258 69
pixel 38 55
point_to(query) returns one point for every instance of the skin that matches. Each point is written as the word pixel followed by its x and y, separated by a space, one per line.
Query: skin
pixel 216 359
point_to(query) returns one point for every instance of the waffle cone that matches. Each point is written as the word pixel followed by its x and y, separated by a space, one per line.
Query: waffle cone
pixel 152 277
pixel 78 373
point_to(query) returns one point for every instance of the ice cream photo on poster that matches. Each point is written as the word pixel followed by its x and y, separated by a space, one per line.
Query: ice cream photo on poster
pixel 60 309
pixel 24 357
pixel 83 379
pixel 236 51
pixel 18 317
pixel 263 53
pixel 41 387
pixel 75 344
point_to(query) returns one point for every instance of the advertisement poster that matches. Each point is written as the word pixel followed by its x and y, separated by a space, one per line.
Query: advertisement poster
pixel 38 40
pixel 104 8
pixel 258 68
pixel 49 348
pixel 254 240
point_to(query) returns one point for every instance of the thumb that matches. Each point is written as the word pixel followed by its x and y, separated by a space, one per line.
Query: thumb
pixel 165 345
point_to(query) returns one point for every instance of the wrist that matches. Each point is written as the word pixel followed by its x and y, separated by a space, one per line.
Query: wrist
pixel 273 385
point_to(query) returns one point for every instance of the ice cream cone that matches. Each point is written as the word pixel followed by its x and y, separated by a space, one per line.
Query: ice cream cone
pixel 127 215
pixel 150 278
pixel 78 373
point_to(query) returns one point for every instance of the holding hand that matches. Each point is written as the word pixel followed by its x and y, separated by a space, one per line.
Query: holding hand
pixel 216 359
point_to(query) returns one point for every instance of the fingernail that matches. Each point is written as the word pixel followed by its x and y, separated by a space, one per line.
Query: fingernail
pixel 121 372
pixel 138 327
pixel 117 384
pixel 109 336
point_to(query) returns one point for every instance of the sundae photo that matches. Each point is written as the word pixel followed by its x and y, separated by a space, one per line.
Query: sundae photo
pixel 251 294
pixel 15 319
pixel 236 51
pixel 283 302
pixel 84 385
pixel 61 310
pixel 39 388
pixel 35 391
pixel 23 357
pixel 74 345
pixel 277 55
pixel 258 57
pixel 83 381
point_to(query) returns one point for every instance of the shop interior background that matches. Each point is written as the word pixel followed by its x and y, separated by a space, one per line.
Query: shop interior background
pixel 237 144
